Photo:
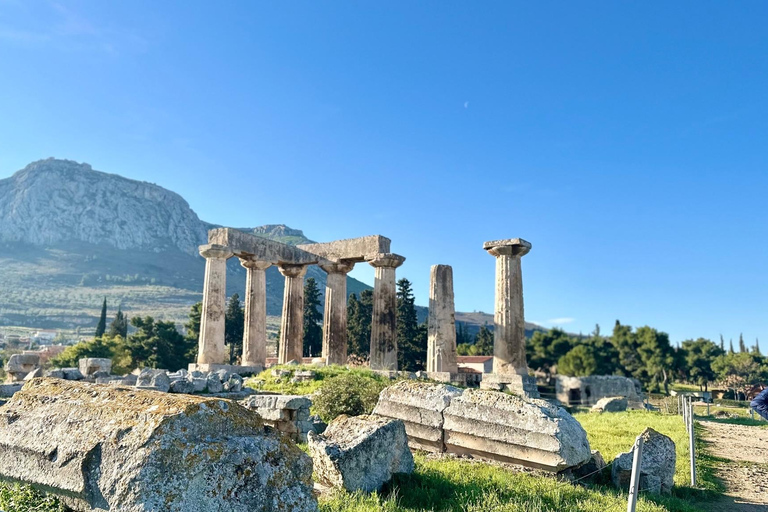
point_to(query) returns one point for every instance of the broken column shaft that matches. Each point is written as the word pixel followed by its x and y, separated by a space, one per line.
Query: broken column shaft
pixel 441 341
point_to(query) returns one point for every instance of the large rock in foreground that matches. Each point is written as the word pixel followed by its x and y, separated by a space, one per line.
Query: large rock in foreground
pixel 121 449
pixel 657 467
pixel 498 426
pixel 360 453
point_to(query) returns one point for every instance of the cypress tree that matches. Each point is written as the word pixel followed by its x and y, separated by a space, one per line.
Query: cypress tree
pixel 313 318
pixel 730 350
pixel 101 327
pixel 757 347
pixel 359 316
pixel 742 345
pixel 484 342
pixel 234 326
pixel 722 343
pixel 411 349
pixel 119 326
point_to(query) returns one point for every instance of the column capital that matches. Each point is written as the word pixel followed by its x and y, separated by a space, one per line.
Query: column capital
pixel 292 269
pixel 337 267
pixel 387 260
pixel 508 247
pixel 250 262
pixel 216 251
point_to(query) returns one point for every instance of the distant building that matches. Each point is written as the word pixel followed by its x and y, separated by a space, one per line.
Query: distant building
pixel 45 336
pixel 480 364
pixel 588 390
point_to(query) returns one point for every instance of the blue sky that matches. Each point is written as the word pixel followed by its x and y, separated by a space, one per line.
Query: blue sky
pixel 625 141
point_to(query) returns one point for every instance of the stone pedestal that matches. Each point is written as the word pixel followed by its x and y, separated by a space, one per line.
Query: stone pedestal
pixel 384 322
pixel 335 314
pixel 441 341
pixel 255 332
pixel 211 347
pixel 292 324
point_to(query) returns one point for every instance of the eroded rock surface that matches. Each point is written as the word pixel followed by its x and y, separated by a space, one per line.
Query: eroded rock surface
pixel 610 404
pixel 657 469
pixel 360 453
pixel 122 449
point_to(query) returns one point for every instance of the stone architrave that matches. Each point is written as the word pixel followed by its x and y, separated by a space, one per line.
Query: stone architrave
pixel 441 341
pixel 335 315
pixel 211 348
pixel 384 322
pixel 255 333
pixel 292 324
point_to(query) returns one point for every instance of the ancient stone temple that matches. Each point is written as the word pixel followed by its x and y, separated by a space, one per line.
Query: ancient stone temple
pixel 510 368
pixel 336 258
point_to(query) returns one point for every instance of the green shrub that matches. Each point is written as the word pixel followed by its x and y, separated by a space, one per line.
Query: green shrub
pixel 23 498
pixel 348 394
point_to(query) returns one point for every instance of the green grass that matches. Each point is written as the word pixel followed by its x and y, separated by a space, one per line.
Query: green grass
pixel 266 382
pixel 22 498
pixel 456 485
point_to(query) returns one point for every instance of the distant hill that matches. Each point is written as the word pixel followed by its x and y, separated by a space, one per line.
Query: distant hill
pixel 71 235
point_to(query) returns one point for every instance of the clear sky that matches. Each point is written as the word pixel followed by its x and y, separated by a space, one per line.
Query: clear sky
pixel 625 140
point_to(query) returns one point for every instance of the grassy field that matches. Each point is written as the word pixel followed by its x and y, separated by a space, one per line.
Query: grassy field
pixel 265 381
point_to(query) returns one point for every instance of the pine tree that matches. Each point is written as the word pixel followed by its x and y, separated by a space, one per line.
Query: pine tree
pixel 313 318
pixel 742 345
pixel 359 316
pixel 234 326
pixel 411 352
pixel 101 327
pixel 192 327
pixel 119 326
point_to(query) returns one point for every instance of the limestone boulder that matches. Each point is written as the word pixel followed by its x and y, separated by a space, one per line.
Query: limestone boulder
pixel 182 386
pixel 124 449
pixel 34 374
pixel 90 365
pixel 657 468
pixel 610 404
pixel 498 426
pixel 360 453
pixel 153 380
pixel 72 374
pixel 420 406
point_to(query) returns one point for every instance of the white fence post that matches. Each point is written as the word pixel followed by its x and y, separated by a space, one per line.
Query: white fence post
pixel 634 482
pixel 692 449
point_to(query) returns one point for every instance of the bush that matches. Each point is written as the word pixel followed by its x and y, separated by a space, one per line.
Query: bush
pixel 348 394
pixel 23 498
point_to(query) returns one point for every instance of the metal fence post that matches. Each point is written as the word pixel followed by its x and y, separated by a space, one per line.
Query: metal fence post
pixel 634 482
pixel 692 449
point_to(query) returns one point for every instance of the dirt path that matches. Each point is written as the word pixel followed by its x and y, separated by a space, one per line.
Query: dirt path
pixel 745 475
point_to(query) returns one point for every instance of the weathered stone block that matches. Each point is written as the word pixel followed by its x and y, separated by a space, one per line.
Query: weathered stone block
pixel 610 404
pixel 56 373
pixel 657 468
pixel 34 374
pixel 360 453
pixel 8 390
pixel 115 448
pixel 498 426
pixel 72 374
pixel 90 365
pixel 153 379
pixel 182 386
pixel 420 406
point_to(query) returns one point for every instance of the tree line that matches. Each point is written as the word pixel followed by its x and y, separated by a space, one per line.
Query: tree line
pixel 643 353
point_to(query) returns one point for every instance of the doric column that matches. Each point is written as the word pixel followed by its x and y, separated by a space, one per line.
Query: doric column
pixel 211 348
pixel 335 315
pixel 292 324
pixel 441 327
pixel 255 332
pixel 509 318
pixel 384 322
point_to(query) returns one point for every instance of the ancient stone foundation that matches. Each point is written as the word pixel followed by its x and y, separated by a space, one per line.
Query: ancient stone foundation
pixel 589 390
pixel 110 448
pixel 287 413
pixel 486 424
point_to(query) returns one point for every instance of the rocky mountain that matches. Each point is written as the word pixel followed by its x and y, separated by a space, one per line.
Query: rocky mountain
pixel 71 235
